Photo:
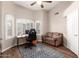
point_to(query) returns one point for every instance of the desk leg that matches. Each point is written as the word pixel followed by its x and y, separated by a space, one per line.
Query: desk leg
pixel 17 42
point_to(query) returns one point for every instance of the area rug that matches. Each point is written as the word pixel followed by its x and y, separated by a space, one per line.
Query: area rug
pixel 40 51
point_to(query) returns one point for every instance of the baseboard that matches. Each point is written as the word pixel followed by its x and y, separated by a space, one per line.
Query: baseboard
pixel 6 49
pixel 10 47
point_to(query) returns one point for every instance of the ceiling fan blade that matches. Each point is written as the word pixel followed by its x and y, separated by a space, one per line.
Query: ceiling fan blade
pixel 33 3
pixel 48 1
pixel 42 6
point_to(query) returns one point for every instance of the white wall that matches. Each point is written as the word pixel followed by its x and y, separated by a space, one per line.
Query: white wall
pixel 42 17
pixel 73 13
pixel 0 26
pixel 50 22
pixel 72 31
pixel 7 8
pixel 16 11
pixel 19 12
pixel 71 8
pixel 57 23
pixel 0 21
pixel 45 22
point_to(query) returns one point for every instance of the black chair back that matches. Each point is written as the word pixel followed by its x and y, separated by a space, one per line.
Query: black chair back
pixel 32 34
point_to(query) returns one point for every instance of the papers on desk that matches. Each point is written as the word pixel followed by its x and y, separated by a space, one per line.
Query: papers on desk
pixel 22 35
pixel 26 35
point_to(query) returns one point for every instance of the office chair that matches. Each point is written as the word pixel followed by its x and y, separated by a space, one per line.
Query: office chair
pixel 31 37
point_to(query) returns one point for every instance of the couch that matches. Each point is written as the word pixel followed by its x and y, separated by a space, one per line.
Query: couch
pixel 53 38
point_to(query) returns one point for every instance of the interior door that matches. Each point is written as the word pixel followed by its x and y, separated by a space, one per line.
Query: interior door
pixel 72 31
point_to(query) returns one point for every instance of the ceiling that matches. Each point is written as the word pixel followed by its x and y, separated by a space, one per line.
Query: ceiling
pixel 47 6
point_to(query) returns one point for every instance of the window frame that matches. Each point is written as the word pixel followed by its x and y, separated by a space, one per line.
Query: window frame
pixel 37 21
pixel 24 21
pixel 9 18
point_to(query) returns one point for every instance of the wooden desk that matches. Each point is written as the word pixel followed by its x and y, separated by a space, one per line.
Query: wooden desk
pixel 20 37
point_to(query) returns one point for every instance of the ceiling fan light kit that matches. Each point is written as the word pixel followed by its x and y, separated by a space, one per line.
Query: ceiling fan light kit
pixel 40 3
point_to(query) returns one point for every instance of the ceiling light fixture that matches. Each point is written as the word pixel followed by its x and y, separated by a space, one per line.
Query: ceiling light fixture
pixel 39 2
pixel 56 13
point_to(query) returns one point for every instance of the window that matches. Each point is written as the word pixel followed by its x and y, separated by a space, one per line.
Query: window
pixel 19 28
pixel 37 27
pixel 9 26
pixel 29 24
pixel 24 28
pixel 22 25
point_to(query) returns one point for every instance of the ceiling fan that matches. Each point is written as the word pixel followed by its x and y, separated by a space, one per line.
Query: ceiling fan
pixel 40 3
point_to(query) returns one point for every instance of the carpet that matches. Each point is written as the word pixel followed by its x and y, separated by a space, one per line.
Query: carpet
pixel 40 51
